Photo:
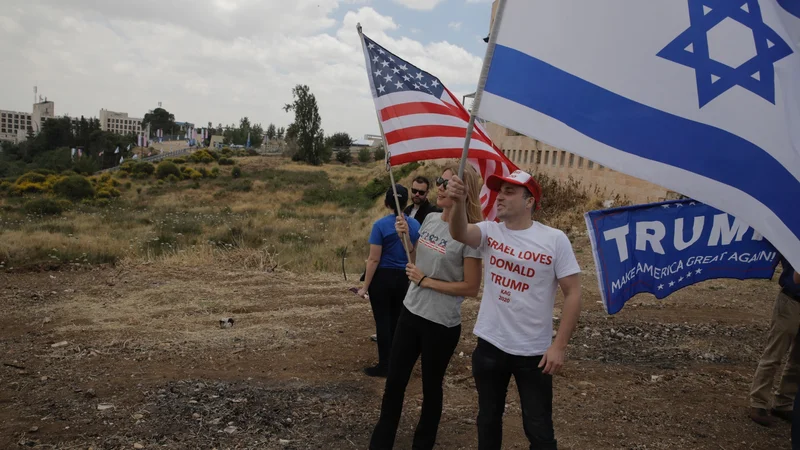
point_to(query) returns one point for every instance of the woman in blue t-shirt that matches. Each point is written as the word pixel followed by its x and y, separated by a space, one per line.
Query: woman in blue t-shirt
pixel 385 278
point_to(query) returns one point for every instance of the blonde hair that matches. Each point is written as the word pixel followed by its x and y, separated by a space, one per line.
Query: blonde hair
pixel 472 181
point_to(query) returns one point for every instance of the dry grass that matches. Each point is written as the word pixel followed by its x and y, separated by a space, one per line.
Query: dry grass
pixel 263 221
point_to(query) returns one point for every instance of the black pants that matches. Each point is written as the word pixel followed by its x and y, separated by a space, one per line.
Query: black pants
pixel 492 369
pixel 386 293
pixel 436 343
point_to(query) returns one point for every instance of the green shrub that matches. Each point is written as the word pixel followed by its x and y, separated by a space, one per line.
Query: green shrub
pixel 160 182
pixel 172 178
pixel 127 166
pixel 128 185
pixel 202 156
pixel 226 162
pixel 143 167
pixel 179 160
pixel 31 177
pixel 203 171
pixel 74 187
pixel 108 193
pixel 43 207
pixel 5 186
pixel 236 172
pixel 214 172
pixel 364 155
pixel 344 156
pixel 166 169
pixel 213 154
pixel 380 154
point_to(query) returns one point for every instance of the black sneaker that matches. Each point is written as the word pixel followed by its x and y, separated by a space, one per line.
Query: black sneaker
pixel 783 415
pixel 376 371
pixel 761 417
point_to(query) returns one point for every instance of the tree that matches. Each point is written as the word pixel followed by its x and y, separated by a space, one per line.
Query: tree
pixel 281 133
pixel 343 155
pixel 307 126
pixel 271 132
pixel 340 140
pixel 159 119
pixel 380 153
pixel 364 155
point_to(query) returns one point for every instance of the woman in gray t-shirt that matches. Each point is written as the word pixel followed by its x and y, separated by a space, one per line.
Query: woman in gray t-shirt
pixel 443 271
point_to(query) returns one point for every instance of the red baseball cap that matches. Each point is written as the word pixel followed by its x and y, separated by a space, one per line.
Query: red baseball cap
pixel 519 178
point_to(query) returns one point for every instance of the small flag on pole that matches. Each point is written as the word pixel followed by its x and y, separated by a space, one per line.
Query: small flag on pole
pixel 72 155
pixel 117 150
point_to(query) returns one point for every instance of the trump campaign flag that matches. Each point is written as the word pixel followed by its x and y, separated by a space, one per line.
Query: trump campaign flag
pixel 663 247
pixel 699 96
pixel 421 119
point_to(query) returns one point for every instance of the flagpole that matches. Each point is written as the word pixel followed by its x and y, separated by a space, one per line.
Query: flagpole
pixel 487 61
pixel 388 159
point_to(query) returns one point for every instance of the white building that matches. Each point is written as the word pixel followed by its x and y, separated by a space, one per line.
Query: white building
pixel 14 124
pixel 119 122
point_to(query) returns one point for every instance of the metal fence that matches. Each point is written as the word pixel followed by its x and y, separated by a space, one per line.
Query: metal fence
pixel 158 157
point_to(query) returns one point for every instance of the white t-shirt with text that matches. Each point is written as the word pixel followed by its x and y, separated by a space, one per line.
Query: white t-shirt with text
pixel 521 272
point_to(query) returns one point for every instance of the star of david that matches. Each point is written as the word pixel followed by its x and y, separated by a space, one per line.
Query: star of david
pixel 714 78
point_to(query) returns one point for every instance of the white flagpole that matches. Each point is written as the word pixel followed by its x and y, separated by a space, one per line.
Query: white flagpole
pixel 388 159
pixel 487 61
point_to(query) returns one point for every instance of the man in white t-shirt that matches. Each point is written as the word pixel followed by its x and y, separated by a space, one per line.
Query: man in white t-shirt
pixel 524 263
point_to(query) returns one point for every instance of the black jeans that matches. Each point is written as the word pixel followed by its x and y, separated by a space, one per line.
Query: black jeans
pixel 414 336
pixel 386 293
pixel 492 369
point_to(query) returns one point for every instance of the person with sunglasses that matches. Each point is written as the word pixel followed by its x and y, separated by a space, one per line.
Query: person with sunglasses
pixel 420 207
pixel 442 272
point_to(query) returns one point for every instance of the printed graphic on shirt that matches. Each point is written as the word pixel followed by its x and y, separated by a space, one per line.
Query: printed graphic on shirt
pixel 433 242
pixel 513 268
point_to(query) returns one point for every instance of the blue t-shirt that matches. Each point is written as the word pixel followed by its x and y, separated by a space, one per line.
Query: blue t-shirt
pixel 393 256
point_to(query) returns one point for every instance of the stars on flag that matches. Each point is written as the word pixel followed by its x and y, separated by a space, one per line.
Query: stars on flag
pixel 392 74
pixel 698 271
pixel 689 274
pixel 665 206
pixel 679 205
pixel 660 287
pixel 680 279
pixel 671 283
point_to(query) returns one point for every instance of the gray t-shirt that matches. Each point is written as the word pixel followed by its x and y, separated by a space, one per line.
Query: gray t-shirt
pixel 440 257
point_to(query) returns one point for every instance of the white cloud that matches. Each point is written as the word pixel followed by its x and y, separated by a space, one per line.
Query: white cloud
pixel 454 26
pixel 480 1
pixel 208 60
pixel 422 5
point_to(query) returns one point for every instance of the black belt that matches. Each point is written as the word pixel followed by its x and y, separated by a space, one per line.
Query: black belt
pixel 793 296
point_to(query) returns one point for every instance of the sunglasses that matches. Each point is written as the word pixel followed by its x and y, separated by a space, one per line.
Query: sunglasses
pixel 442 182
pixel 417 191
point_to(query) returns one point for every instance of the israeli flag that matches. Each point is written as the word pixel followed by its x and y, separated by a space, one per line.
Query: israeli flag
pixel 699 96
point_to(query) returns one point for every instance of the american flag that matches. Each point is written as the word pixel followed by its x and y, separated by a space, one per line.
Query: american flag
pixel 422 119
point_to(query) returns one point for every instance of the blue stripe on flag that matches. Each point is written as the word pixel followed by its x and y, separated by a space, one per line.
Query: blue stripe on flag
pixel 644 131
pixel 791 6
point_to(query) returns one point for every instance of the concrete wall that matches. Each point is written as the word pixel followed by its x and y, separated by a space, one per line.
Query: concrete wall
pixel 530 155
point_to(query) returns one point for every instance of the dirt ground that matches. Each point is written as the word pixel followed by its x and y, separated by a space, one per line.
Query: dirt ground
pixel 146 365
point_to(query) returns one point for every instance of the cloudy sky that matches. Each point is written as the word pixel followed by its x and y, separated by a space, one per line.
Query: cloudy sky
pixel 218 60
